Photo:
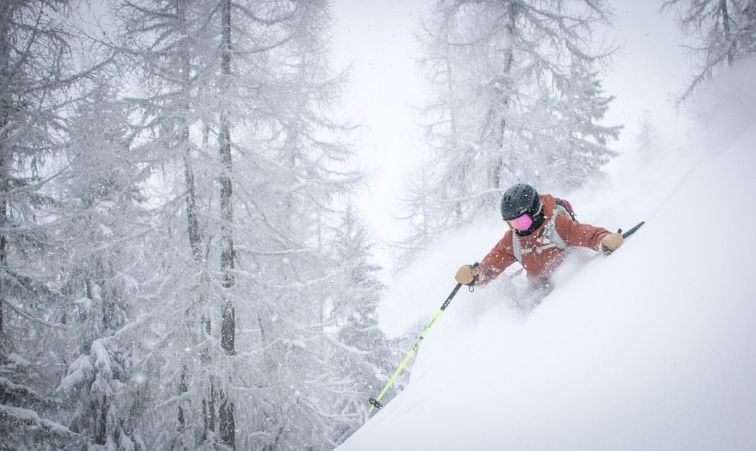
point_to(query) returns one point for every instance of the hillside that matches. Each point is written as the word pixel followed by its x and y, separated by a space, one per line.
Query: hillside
pixel 653 347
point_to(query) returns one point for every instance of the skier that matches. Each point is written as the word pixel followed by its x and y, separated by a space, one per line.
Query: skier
pixel 541 228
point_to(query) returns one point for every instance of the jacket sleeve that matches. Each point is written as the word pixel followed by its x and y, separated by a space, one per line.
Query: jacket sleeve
pixel 497 260
pixel 577 234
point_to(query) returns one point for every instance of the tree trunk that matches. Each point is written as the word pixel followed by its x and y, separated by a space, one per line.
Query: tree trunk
pixel 4 174
pixel 184 147
pixel 5 156
pixel 227 426
pixel 3 224
pixel 193 229
pixel 727 34
pixel 182 389
pixel 227 242
pixel 496 160
pixel 228 326
pixel 227 217
pixel 453 122
pixel 210 411
pixel 101 429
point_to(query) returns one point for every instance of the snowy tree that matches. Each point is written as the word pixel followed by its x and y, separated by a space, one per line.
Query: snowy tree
pixel 423 213
pixel 235 100
pixel 517 98
pixel 724 30
pixel 289 210
pixel 364 354
pixel 576 143
pixel 169 48
pixel 647 139
pixel 32 47
pixel 172 244
pixel 103 246
pixel 39 86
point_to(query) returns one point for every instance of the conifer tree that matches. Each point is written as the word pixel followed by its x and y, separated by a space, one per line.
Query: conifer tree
pixel 172 244
pixel 236 119
pixel 368 356
pixel 105 238
pixel 724 31
pixel 647 140
pixel 517 98
pixel 40 85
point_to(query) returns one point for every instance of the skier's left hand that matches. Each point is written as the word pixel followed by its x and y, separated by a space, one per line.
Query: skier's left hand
pixel 611 242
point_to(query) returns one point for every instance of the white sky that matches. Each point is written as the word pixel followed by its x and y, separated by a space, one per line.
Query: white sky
pixel 378 39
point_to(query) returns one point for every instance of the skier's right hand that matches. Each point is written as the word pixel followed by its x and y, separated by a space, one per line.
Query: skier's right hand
pixel 466 275
pixel 611 242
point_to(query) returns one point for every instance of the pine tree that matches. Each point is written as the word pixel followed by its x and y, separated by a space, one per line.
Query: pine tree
pixel 103 250
pixel 725 31
pixel 306 169
pixel 364 354
pixel 40 84
pixel 235 112
pixel 647 140
pixel 576 144
pixel 517 99
pixel 422 213
pixel 183 231
pixel 173 50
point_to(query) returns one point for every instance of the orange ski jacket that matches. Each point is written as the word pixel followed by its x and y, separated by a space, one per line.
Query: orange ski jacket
pixel 539 263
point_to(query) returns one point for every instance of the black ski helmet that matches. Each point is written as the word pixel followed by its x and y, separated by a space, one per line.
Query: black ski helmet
pixel 518 200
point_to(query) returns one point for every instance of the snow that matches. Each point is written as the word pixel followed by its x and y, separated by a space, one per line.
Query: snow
pixel 102 357
pixel 6 385
pixel 78 372
pixel 31 417
pixel 139 379
pixel 18 360
pixel 650 348
pixel 85 302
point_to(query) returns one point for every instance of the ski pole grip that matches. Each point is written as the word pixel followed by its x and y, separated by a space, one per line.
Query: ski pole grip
pixel 454 291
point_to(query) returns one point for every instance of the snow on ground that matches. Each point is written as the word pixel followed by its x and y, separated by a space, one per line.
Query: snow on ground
pixel 652 348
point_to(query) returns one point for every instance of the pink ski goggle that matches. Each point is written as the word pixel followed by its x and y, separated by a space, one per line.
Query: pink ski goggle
pixel 522 222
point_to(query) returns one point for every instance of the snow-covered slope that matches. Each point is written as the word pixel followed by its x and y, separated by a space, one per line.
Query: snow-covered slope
pixel 652 348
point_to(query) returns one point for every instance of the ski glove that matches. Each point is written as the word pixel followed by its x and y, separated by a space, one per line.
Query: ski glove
pixel 611 242
pixel 466 275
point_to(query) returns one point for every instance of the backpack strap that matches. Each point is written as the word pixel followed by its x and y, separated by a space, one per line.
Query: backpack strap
pixel 550 236
pixel 567 206
pixel 551 233
pixel 516 247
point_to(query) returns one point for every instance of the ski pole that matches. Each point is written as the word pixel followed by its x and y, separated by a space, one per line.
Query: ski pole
pixel 375 403
pixel 633 229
